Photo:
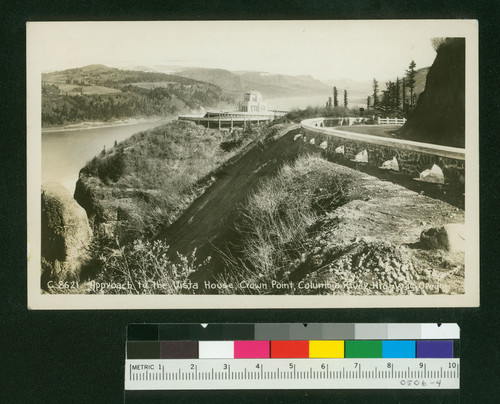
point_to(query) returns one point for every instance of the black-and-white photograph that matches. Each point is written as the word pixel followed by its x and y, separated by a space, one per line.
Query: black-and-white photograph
pixel 253 164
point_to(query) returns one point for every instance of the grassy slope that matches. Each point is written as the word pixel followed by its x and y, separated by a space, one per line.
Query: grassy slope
pixel 320 222
pixel 207 224
pixel 72 89
pixel 308 220
pixel 149 179
pixel 374 130
pixel 142 185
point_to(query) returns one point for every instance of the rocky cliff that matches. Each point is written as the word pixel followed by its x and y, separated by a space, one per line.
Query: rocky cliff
pixel 439 116
pixel 65 235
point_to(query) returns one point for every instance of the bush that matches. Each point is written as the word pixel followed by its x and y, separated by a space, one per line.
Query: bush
pixel 147 268
pixel 107 168
pixel 298 115
pixel 281 215
pixel 235 139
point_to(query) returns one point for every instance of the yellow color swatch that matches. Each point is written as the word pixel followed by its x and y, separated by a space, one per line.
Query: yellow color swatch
pixel 326 349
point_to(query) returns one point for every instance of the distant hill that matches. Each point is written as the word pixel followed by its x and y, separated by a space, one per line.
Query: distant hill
pixel 226 80
pixel 281 85
pixel 102 75
pixel 420 77
pixel 234 83
pixel 102 93
pixel 420 80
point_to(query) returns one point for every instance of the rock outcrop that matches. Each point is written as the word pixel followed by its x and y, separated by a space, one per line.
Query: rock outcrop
pixel 65 235
pixel 450 237
pixel 97 200
pixel 439 116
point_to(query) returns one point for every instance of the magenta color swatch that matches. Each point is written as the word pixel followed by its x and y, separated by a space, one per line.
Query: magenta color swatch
pixel 251 349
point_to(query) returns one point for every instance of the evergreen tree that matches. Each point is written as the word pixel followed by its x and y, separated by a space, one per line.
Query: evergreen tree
pixel 397 95
pixel 403 95
pixel 375 93
pixel 410 76
pixel 335 97
pixel 389 103
pixel 345 99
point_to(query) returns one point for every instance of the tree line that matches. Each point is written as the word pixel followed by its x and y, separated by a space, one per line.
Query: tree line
pixel 334 102
pixel 399 97
pixel 133 101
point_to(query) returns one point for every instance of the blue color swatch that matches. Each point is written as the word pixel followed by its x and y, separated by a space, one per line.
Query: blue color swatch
pixel 398 349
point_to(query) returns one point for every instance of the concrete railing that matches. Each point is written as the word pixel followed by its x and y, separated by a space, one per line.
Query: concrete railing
pixel 406 156
pixel 318 125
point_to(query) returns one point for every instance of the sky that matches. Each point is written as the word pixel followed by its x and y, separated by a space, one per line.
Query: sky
pixel 326 50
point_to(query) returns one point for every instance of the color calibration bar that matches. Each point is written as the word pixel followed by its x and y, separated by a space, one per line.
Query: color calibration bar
pixel 294 331
pixel 289 349
pixel 231 356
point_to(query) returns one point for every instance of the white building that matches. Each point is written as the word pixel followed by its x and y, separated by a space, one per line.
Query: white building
pixel 250 110
pixel 252 102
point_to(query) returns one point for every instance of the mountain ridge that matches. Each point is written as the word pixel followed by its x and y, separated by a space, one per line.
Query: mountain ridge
pixel 234 83
pixel 102 93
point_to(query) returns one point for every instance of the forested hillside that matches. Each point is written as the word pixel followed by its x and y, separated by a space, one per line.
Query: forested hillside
pixel 102 93
pixel 269 84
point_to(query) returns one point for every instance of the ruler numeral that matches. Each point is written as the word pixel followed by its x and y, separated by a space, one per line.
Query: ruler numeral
pixel 174 374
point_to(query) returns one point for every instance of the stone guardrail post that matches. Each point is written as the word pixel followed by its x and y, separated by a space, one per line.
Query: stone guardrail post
pixel 411 158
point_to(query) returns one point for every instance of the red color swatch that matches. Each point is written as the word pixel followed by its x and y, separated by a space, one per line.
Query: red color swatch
pixel 289 349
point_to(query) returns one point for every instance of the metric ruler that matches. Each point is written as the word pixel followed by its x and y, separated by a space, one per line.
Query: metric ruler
pixel 248 374
pixel 292 356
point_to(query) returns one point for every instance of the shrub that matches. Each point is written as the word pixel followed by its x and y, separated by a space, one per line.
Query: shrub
pixel 150 178
pixel 142 185
pixel 281 215
pixel 147 268
pixel 298 115
pixel 108 167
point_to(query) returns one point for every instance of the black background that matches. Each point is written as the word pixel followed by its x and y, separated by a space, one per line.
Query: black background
pixel 78 356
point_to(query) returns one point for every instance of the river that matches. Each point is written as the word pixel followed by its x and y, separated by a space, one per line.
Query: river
pixel 65 152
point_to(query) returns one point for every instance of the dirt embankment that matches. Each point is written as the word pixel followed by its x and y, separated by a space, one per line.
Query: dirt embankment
pixel 369 245
pixel 207 224
pixel 147 181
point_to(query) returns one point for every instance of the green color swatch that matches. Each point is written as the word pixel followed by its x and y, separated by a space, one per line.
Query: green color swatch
pixel 363 349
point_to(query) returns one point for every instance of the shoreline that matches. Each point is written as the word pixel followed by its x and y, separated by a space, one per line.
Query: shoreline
pixel 100 124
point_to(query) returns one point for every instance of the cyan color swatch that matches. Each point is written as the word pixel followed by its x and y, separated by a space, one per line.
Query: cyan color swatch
pixel 398 349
